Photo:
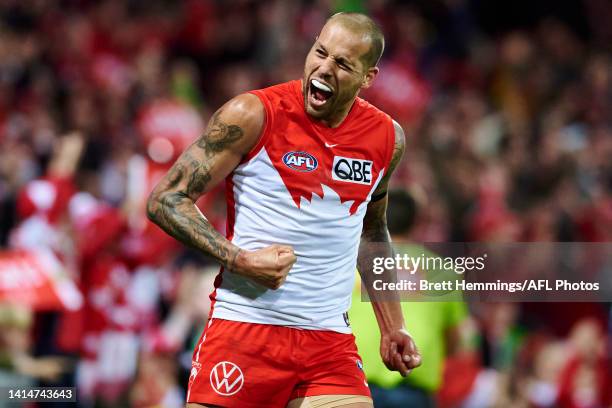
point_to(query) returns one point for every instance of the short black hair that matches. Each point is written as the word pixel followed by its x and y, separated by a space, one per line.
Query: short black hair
pixel 361 23
pixel 401 212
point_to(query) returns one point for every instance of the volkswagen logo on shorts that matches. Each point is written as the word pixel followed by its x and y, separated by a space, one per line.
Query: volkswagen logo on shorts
pixel 300 161
pixel 226 378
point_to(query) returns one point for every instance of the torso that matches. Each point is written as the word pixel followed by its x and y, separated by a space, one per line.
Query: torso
pixel 308 186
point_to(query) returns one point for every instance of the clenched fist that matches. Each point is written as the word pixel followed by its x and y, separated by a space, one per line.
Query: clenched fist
pixel 267 266
pixel 398 351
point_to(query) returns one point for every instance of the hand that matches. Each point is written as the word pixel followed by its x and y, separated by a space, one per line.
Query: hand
pixel 267 266
pixel 398 351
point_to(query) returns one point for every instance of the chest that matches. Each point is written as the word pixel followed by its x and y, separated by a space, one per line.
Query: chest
pixel 347 162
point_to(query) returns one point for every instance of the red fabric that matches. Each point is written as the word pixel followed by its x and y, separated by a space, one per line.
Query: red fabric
pixel 399 91
pixel 595 222
pixel 149 245
pixel 197 29
pixel 105 281
pixel 170 120
pixel 492 215
pixel 458 387
pixel 569 394
pixel 48 196
pixel 267 365
pixel 287 124
pixel 99 230
pixel 157 341
pixel 36 279
pixel 70 332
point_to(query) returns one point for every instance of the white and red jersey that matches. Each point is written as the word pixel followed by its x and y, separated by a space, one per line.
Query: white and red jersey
pixel 308 186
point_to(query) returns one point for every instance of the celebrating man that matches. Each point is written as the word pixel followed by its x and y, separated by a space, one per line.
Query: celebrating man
pixel 306 165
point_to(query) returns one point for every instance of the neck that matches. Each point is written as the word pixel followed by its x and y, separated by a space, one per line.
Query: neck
pixel 335 119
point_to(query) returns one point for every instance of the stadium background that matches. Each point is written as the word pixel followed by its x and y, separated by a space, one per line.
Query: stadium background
pixel 506 107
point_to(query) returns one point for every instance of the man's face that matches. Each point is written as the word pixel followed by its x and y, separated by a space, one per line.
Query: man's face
pixel 334 72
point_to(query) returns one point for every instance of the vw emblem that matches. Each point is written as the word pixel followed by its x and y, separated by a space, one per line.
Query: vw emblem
pixel 226 378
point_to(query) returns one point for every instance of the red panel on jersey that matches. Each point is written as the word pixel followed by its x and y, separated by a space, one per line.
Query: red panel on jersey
pixel 337 157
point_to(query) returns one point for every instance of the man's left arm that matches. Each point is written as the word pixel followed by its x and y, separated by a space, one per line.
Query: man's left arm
pixel 397 348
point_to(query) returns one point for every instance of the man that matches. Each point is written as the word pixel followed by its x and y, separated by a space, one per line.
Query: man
pixel 307 166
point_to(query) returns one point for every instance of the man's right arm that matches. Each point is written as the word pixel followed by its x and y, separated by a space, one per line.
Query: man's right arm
pixel 231 133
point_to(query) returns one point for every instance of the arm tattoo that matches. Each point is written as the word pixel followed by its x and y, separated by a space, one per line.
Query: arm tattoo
pixel 375 221
pixel 219 136
pixel 398 150
pixel 198 180
pixel 398 153
pixel 172 203
pixel 375 238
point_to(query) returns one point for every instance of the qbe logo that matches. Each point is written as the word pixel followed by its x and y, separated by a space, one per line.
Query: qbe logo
pixel 352 170
pixel 226 378
pixel 300 161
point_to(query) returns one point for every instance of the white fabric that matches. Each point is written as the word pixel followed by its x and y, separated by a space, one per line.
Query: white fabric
pixel 325 238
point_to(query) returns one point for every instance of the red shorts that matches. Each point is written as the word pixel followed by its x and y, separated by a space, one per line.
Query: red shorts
pixel 238 364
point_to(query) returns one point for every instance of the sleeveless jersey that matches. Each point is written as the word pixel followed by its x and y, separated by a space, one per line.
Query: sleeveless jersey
pixel 305 185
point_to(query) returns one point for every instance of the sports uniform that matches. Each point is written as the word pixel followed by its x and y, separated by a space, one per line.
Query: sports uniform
pixel 308 186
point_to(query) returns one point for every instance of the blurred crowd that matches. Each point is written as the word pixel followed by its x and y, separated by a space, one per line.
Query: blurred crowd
pixel 507 108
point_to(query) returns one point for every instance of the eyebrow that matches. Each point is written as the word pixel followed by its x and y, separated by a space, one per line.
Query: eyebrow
pixel 340 59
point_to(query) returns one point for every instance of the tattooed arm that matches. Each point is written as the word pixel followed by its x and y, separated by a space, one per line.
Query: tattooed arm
pixel 232 132
pixel 397 348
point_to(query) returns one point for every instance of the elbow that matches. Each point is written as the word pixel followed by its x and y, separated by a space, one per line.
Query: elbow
pixel 153 205
pixel 160 202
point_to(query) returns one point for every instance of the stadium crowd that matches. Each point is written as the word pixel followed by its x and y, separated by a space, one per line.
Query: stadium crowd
pixel 507 109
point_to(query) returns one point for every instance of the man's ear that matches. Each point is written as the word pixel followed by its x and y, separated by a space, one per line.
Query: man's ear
pixel 369 77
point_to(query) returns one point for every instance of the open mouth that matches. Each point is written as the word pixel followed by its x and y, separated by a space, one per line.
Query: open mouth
pixel 320 93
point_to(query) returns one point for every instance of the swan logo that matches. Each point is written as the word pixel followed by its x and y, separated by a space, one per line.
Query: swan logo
pixel 300 161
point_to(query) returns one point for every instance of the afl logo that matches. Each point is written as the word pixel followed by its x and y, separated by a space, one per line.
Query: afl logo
pixel 300 161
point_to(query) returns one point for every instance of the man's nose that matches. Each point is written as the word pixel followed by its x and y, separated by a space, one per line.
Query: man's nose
pixel 326 67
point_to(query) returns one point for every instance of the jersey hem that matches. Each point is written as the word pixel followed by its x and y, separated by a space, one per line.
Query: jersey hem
pixel 225 315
